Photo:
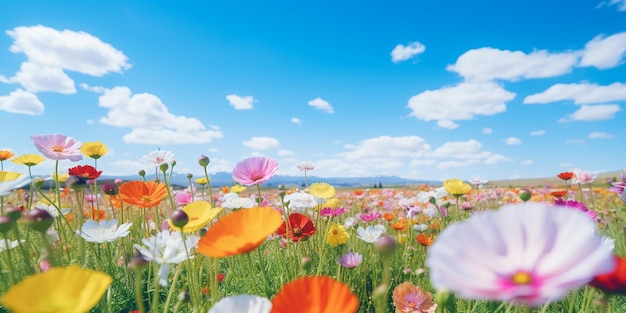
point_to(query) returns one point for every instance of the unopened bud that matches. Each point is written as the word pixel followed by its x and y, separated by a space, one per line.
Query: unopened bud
pixel 13 212
pixel 179 218
pixel 6 224
pixel 525 194
pixel 204 160
pixel 38 219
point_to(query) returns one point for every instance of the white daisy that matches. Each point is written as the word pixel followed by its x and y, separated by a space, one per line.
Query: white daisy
pixel 103 231
pixel 371 234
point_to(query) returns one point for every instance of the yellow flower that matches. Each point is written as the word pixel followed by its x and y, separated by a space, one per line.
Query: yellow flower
pixel 332 203
pixel 322 190
pixel 62 177
pixel 200 213
pixel 337 234
pixel 237 188
pixel 69 289
pixel 94 149
pixel 8 176
pixel 5 155
pixel 202 181
pixel 28 159
pixel 456 187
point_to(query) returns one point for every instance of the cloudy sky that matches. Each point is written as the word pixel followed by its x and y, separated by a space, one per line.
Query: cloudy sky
pixel 417 89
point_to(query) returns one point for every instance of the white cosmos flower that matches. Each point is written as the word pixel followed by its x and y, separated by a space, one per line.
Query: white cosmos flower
pixel 527 253
pixel 167 248
pixel 242 304
pixel 103 231
pixel 11 245
pixel 233 202
pixel 301 201
pixel 157 157
pixel 305 166
pixel 7 186
pixel 371 234
pixel 51 209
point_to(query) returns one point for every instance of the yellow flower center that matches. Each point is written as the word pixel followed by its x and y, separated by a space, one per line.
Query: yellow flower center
pixel 57 148
pixel 145 199
pixel 521 278
pixel 297 231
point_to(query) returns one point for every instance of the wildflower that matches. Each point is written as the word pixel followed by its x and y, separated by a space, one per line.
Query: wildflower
pixel 86 171
pixel 255 170
pixel 526 253
pixel 182 198
pixel 166 248
pixel 239 232
pixel 5 155
pixel 575 205
pixel 565 175
pixel 389 217
pixel 300 227
pixel 525 194
pixel 322 190
pixel 323 294
pixel 465 205
pixel 28 159
pixel 350 259
pixel 456 187
pixel 615 281
pixel 386 245
pixel 10 181
pixel 409 298
pixel 103 231
pixel 369 217
pixel 38 219
pixel 202 181
pixel 425 239
pixel 200 213
pixel 94 150
pixel 305 166
pixel 242 303
pixel 332 212
pixel 142 194
pixel 237 188
pixel 582 177
pixel 157 158
pixel 82 289
pixel 618 187
pixel 337 235
pixel 370 234
pixel 110 189
pixel 349 222
pixel 58 147
pixel 234 202
pixel 301 201
pixel 559 193
pixel 62 177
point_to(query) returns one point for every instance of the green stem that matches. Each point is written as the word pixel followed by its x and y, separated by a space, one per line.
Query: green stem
pixel 208 182
pixel 25 255
pixel 171 292
pixel 10 261
pixel 139 291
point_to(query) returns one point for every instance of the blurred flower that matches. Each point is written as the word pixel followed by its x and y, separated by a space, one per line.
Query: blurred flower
pixel 618 187
pixel 10 181
pixel 11 244
pixel 575 205
pixel 350 260
pixel 242 303
pixel 332 212
pixel 142 194
pixel 322 190
pixel 305 166
pixel 200 213
pixel 40 293
pixel 558 193
pixel 301 201
pixel 565 175
pixel 237 188
pixel 323 294
pixel 582 177
pixel 371 234
pixel 300 227
pixel 157 158
pixel 28 159
pixel 234 202
pixel 5 155
pixel 202 181
pixel 255 170
pixel 456 187
pixel 527 253
pixel 94 150
pixel 615 281
pixel 349 222
pixel 167 248
pixel 86 171
pixel 479 182
pixel 337 235
pixel 103 231
pixel 110 189
pixel 58 147
pixel 63 177
pixel 465 205
pixel 409 298
pixel 369 217
pixel 425 239
pixel 182 197
pixel 8 176
pixel 51 209
pixel 239 232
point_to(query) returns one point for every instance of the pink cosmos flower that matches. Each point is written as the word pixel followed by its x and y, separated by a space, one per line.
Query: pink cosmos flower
pixel 58 147
pixel 368 217
pixel 526 253
pixel 350 259
pixel 255 170
pixel 575 205
pixel 332 212
pixel 618 187
pixel 182 197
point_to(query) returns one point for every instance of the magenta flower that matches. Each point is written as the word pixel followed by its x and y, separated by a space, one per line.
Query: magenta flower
pixel 332 212
pixel 182 198
pixel 618 187
pixel 255 170
pixel 526 253
pixel 575 205
pixel 368 217
pixel 58 147
pixel 350 260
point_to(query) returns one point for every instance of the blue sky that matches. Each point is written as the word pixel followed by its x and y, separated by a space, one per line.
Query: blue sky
pixel 416 89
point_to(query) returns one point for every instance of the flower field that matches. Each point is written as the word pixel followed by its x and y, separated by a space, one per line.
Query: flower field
pixel 85 245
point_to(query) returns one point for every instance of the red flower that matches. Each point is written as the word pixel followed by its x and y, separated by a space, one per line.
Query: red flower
pixel 220 277
pixel 565 175
pixel 559 193
pixel 613 282
pixel 300 227
pixel 86 171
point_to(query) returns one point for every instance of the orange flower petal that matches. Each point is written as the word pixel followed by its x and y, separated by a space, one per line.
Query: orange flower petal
pixel 314 294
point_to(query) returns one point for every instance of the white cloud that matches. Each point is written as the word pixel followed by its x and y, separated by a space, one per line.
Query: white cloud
pixel 584 93
pixel 321 104
pixel 461 102
pixel 470 149
pixel 526 162
pixel 422 162
pixel 262 143
pixel 600 135
pixel 285 153
pixel 621 4
pixel 455 164
pixel 296 121
pixel 387 147
pixel 496 158
pixel 447 124
pixel 540 132
pixel 150 121
pixel 21 102
pixel 565 164
pixel 604 52
pixel 487 131
pixel 577 141
pixel 402 53
pixel 37 78
pixel 513 141
pixel 593 113
pixel 240 103
pixel 485 64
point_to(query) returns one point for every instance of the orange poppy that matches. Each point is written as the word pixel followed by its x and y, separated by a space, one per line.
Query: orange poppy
pixel 399 225
pixel 225 189
pixel 358 192
pixel 239 232
pixel 425 240
pixel 388 216
pixel 559 193
pixel 94 214
pixel 5 155
pixel 322 294
pixel 142 194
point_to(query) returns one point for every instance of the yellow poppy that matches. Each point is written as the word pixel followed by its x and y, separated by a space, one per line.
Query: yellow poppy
pixel 200 213
pixel 237 188
pixel 337 234
pixel 8 176
pixel 202 181
pixel 28 159
pixel 456 187
pixel 69 289
pixel 322 190
pixel 93 150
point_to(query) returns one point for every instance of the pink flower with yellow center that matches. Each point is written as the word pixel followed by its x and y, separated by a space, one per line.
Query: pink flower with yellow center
pixel 255 170
pixel 58 147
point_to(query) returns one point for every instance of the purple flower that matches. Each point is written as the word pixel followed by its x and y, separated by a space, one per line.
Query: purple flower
pixel 575 205
pixel 255 170
pixel 58 147
pixel 350 259
pixel 618 187
pixel 332 212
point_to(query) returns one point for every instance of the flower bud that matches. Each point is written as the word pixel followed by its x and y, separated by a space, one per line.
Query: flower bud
pixel 173 163
pixel 305 264
pixel 184 297
pixel 38 219
pixel 204 161
pixel 386 245
pixel 38 182
pixel 13 212
pixel 142 173
pixel 524 194
pixel 110 189
pixel 6 224
pixel 163 167
pixel 189 176
pixel 138 262
pixel 179 218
